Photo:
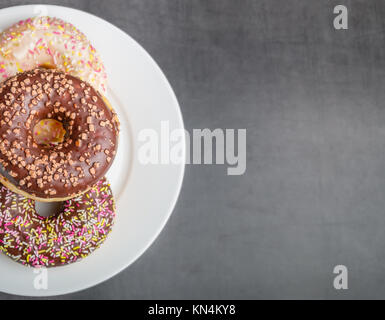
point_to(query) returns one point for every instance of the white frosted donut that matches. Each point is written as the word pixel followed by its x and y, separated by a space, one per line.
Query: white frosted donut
pixel 53 43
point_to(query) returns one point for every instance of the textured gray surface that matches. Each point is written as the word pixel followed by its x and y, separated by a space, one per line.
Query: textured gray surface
pixel 312 100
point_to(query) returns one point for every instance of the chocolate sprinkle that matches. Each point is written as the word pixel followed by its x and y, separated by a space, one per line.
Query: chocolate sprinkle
pixel 51 169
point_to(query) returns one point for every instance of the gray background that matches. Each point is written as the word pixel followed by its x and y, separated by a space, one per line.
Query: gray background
pixel 312 101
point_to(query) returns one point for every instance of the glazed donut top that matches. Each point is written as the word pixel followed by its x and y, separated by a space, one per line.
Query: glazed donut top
pixel 63 170
pixel 81 226
pixel 38 41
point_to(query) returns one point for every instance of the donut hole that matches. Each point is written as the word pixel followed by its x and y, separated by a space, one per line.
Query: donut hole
pixel 47 209
pixel 47 65
pixel 49 132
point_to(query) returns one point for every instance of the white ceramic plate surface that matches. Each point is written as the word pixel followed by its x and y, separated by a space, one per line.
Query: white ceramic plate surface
pixel 145 194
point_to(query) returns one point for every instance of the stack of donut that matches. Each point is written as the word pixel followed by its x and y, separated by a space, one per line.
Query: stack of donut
pixel 58 138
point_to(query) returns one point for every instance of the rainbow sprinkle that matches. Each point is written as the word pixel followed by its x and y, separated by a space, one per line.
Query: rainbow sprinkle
pixel 81 227
pixel 50 41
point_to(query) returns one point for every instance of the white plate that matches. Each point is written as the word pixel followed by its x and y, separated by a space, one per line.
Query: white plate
pixel 146 194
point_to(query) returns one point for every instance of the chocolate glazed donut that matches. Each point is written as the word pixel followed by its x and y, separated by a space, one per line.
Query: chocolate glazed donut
pixel 70 165
pixel 80 227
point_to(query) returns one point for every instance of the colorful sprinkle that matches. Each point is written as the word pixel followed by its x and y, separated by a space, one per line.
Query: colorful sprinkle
pixel 64 44
pixel 61 239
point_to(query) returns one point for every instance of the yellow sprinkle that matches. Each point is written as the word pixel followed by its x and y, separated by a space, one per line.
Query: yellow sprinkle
pixel 18 67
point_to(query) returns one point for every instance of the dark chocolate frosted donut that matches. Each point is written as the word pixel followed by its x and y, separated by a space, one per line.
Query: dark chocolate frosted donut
pixel 62 168
pixel 82 226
